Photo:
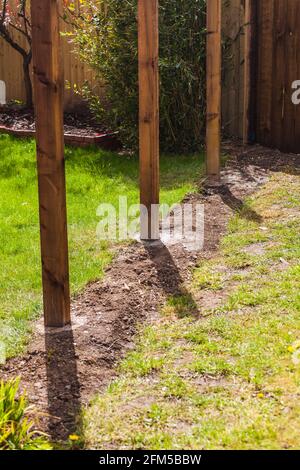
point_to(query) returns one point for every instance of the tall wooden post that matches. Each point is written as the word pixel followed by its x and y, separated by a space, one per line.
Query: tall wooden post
pixel 249 71
pixel 214 57
pixel 149 117
pixel 48 91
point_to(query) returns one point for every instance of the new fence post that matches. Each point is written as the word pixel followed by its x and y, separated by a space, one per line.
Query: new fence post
pixel 48 92
pixel 213 83
pixel 249 71
pixel 149 117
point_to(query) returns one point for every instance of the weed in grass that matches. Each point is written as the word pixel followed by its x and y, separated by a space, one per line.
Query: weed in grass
pixel 213 366
pixel 174 386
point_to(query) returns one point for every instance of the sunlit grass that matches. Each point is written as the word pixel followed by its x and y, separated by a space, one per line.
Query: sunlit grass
pixel 93 176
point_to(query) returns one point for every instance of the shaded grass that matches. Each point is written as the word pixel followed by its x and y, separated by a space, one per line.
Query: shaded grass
pixel 93 176
pixel 229 380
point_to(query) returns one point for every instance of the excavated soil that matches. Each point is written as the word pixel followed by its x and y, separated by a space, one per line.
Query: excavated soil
pixel 63 369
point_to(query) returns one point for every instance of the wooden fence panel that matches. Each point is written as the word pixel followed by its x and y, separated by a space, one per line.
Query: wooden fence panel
pixel 278 119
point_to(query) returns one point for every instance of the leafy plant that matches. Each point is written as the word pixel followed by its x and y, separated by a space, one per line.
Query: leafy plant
pixel 106 35
pixel 16 429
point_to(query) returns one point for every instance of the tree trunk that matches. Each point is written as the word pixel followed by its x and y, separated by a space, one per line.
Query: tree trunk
pixel 27 80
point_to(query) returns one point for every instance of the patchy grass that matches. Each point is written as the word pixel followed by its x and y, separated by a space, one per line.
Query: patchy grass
pixel 93 177
pixel 183 305
pixel 207 278
pixel 229 378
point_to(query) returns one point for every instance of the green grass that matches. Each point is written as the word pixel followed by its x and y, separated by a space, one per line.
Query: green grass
pixel 208 278
pixel 93 176
pixel 228 378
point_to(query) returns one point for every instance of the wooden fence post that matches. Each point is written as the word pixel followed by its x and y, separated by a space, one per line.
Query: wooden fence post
pixel 149 117
pixel 214 57
pixel 249 71
pixel 48 90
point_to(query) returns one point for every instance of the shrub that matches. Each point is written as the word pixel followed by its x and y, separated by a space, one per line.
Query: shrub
pixel 16 430
pixel 106 34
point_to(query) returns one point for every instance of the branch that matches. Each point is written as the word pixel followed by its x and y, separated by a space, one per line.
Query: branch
pixel 4 33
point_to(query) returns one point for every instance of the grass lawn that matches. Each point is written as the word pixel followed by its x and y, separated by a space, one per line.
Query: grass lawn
pixel 93 177
pixel 230 378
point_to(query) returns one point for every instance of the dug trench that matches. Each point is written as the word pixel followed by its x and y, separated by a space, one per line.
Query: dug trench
pixel 63 369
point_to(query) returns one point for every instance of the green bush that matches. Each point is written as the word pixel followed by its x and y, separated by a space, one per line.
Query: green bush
pixel 106 33
pixel 16 430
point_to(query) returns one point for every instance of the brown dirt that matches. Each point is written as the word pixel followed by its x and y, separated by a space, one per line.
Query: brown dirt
pixel 63 369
